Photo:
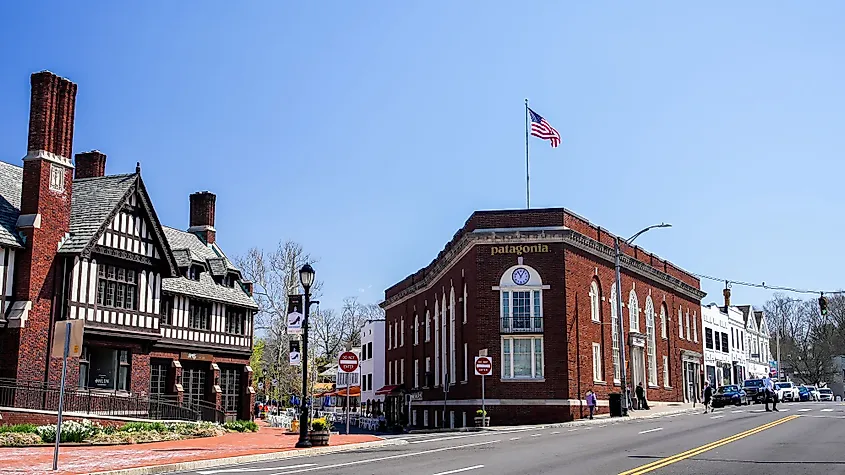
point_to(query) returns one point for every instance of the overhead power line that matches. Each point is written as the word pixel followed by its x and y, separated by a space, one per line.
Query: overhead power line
pixel 764 286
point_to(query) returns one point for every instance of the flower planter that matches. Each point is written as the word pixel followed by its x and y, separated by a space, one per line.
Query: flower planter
pixel 486 422
pixel 319 438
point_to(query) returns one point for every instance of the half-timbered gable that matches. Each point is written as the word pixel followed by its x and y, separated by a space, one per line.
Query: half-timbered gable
pixel 120 257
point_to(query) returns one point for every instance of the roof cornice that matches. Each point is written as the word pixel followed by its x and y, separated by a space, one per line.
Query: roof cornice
pixel 566 236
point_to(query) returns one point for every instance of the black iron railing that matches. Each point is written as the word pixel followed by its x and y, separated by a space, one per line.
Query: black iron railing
pixel 45 397
pixel 205 410
pixel 522 324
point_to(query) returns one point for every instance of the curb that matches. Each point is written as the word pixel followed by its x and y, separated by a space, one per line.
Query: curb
pixel 584 422
pixel 241 459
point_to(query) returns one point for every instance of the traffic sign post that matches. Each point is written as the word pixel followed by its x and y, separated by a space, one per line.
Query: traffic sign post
pixel 483 367
pixel 348 363
pixel 67 341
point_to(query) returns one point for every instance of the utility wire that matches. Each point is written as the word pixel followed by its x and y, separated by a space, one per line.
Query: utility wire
pixel 764 286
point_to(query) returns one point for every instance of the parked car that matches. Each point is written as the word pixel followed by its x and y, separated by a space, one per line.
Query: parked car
pixel 814 393
pixel 804 393
pixel 730 395
pixel 825 394
pixel 754 390
pixel 786 391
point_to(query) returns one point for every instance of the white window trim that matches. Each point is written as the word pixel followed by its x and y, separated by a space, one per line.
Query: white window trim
pixel 389 336
pixel 534 372
pixel 595 302
pixel 533 319
pixel 465 303
pixel 694 327
pixel 615 336
pixel 427 326
pixel 416 330
pixel 598 376
pixel 680 323
pixel 453 349
pixel 416 373
pixel 666 372
pixel 688 326
pixel 402 333
pixel 402 371
pixel 466 363
pixel 663 322
pixel 633 312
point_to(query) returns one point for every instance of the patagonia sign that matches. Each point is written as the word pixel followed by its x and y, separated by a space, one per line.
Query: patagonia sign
pixel 519 249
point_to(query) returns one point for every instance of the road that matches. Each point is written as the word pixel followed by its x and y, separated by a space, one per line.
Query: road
pixel 802 438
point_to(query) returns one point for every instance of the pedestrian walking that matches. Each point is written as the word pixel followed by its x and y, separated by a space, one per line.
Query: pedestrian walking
pixel 591 402
pixel 708 395
pixel 770 394
pixel 641 396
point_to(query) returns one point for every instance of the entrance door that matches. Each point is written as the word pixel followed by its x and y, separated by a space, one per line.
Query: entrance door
pixel 638 368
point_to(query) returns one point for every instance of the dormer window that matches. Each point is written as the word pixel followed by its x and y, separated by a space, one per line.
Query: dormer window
pixel 194 272
pixel 230 280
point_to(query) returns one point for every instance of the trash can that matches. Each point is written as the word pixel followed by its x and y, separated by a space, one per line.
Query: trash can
pixel 615 400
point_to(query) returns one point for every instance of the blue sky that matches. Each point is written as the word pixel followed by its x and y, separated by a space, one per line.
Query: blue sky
pixel 369 131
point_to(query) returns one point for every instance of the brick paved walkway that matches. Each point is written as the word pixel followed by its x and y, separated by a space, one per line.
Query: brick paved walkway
pixel 81 460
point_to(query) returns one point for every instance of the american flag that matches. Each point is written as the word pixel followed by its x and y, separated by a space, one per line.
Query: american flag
pixel 542 129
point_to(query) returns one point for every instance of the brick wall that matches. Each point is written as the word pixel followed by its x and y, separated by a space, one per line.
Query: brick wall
pixel 39 418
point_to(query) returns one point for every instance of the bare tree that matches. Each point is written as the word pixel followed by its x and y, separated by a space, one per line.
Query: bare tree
pixel 327 330
pixel 275 275
pixel 808 339
pixel 353 316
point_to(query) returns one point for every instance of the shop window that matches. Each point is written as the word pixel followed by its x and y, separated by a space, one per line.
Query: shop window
pixel 158 379
pixel 116 287
pixel 230 385
pixel 193 383
pixel 105 368
pixel 522 357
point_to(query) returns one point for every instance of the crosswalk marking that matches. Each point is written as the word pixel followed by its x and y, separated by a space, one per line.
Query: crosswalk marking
pixel 827 410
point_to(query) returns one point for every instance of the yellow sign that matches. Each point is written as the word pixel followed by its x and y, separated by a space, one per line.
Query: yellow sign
pixel 519 249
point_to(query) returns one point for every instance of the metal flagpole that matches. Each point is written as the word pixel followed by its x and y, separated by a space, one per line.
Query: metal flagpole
pixel 527 187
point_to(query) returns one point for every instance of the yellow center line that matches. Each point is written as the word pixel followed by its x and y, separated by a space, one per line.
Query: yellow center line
pixel 650 467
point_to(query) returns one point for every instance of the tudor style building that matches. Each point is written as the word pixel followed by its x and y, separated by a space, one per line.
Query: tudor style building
pixel 534 289
pixel 166 313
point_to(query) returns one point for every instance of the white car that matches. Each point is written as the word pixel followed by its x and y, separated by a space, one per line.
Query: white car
pixel 787 391
pixel 825 394
pixel 814 393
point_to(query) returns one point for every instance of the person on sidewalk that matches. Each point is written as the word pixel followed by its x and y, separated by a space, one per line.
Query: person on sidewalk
pixel 591 402
pixel 770 394
pixel 708 395
pixel 641 396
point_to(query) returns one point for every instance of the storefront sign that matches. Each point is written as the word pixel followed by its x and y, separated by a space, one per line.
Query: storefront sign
pixel 102 381
pixel 637 340
pixel 196 356
pixel 519 249
pixel 416 396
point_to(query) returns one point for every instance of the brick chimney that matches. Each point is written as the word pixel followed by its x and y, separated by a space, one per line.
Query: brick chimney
pixel 44 221
pixel 202 215
pixel 90 164
pixel 727 294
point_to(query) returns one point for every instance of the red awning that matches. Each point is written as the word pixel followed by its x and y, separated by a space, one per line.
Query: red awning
pixel 386 390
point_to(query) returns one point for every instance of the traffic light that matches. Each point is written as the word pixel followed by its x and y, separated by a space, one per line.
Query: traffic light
pixel 823 305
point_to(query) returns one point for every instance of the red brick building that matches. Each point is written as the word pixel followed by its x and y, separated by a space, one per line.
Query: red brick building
pixel 166 314
pixel 534 289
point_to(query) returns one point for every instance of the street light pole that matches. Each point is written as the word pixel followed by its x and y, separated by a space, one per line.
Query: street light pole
pixel 306 278
pixel 620 325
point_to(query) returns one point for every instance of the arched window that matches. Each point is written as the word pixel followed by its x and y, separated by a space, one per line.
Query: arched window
pixel 427 325
pixel 416 330
pixel 634 311
pixel 437 362
pixel 663 320
pixel 614 325
pixel 521 317
pixel 453 352
pixel 652 343
pixel 595 302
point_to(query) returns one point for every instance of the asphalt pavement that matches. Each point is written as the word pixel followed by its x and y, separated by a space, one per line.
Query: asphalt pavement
pixel 803 438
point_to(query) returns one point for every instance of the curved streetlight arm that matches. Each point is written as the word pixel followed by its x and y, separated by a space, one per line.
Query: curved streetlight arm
pixel 630 240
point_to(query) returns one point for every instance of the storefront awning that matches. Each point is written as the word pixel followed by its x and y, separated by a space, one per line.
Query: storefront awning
pixel 387 390
pixel 354 392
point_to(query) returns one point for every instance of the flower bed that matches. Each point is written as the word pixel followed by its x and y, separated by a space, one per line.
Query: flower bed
pixel 130 433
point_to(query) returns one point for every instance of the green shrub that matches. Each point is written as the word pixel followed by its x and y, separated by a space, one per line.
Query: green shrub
pixel 17 439
pixel 241 426
pixel 480 413
pixel 19 428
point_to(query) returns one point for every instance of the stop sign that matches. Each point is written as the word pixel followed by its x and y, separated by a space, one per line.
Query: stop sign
pixel 348 362
pixel 483 365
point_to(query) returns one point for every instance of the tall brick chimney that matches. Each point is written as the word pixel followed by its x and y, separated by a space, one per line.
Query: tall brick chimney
pixel 90 164
pixel 202 215
pixel 43 222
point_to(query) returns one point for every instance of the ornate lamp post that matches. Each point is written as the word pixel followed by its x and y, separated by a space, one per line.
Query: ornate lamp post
pixel 306 278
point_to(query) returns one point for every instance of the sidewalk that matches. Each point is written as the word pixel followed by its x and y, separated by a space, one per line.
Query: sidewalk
pixel 91 459
pixel 658 409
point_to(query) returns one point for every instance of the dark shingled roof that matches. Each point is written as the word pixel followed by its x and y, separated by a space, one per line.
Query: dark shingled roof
pixel 11 177
pixel 93 201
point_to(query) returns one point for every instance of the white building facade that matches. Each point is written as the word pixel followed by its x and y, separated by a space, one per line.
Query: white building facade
pixel 756 341
pixel 717 345
pixel 739 355
pixel 372 360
